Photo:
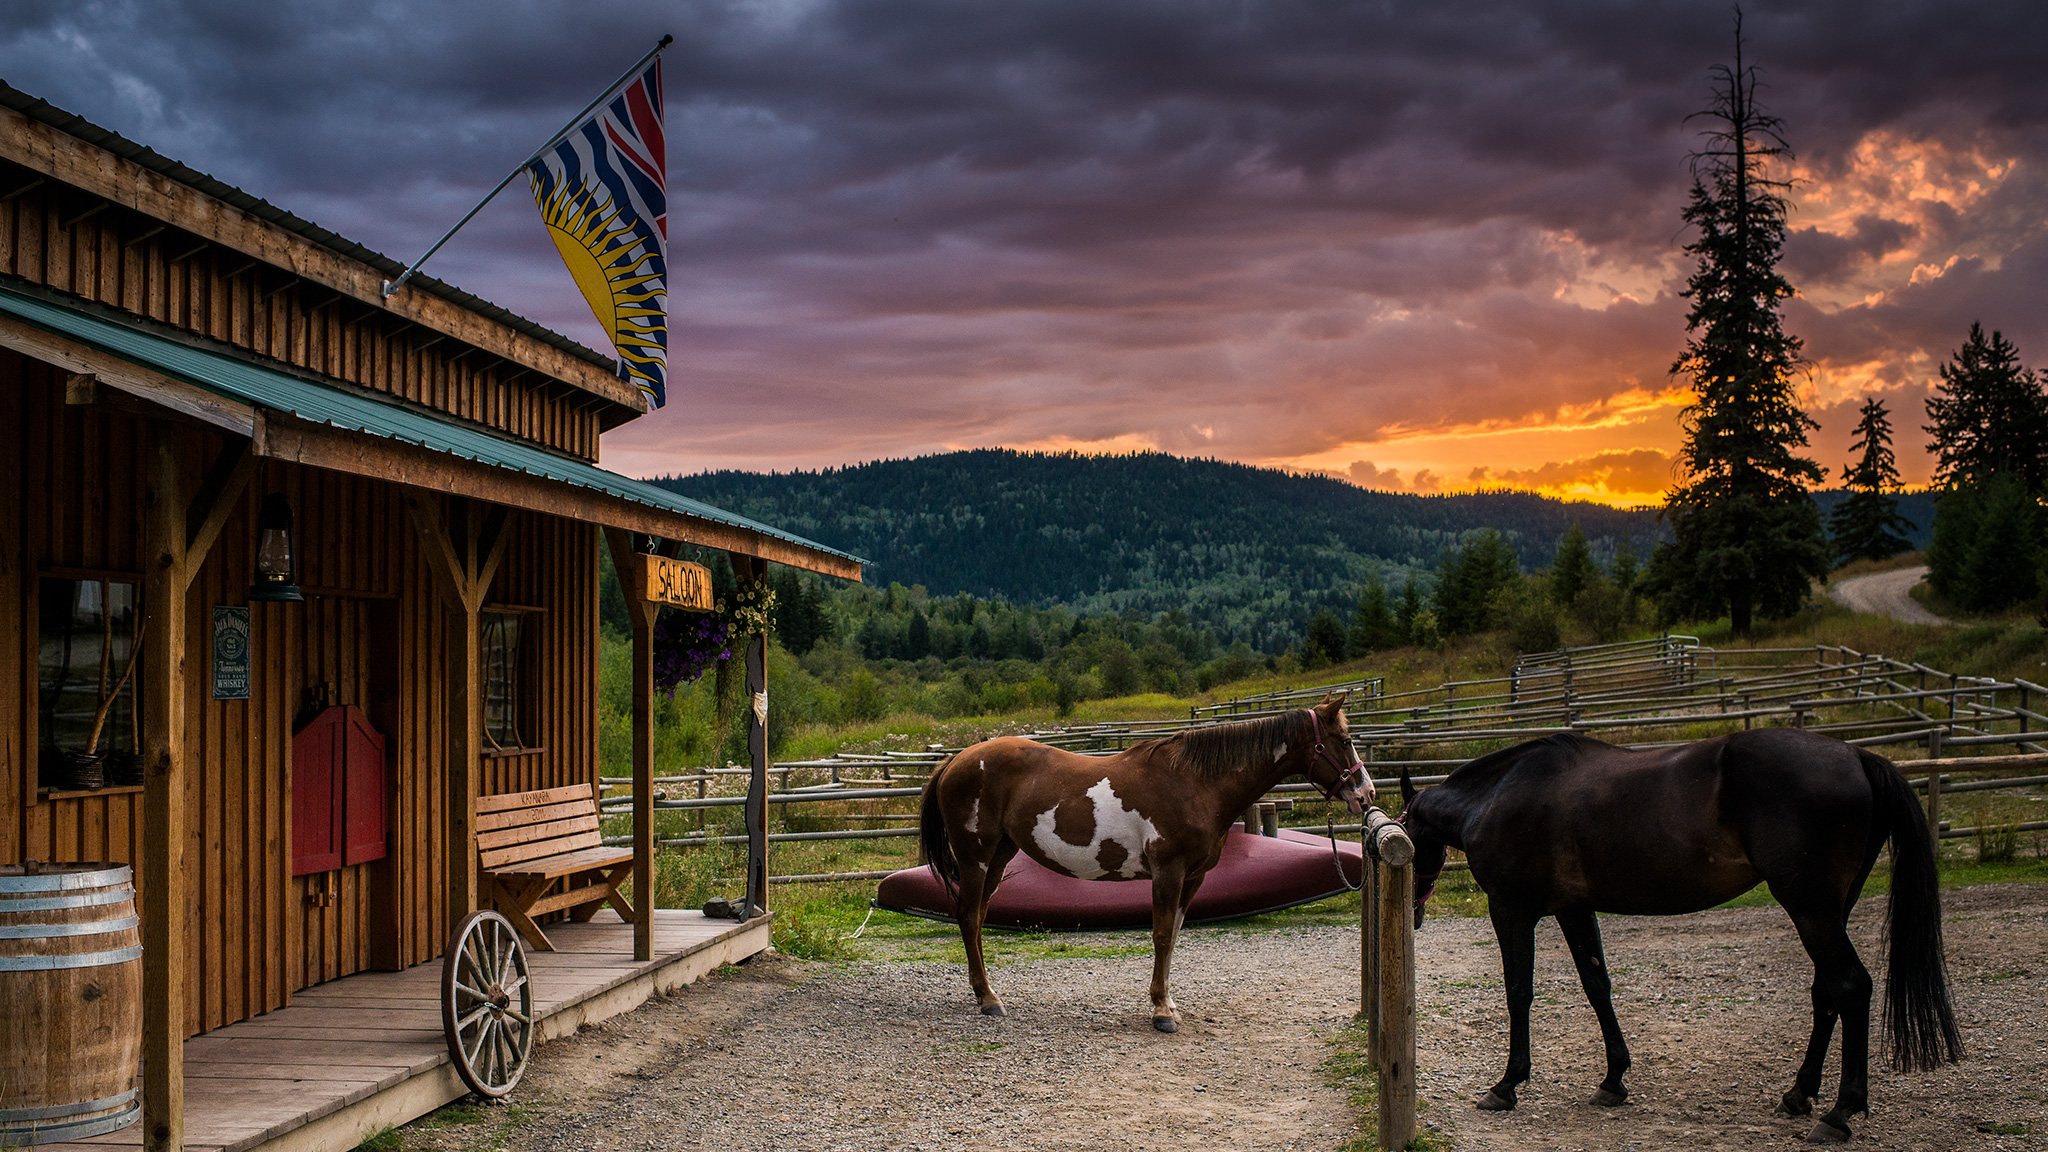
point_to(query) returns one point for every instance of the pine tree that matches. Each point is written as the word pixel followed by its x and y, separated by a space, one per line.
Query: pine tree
pixel 1867 525
pixel 1986 554
pixel 1572 569
pixel 1467 579
pixel 1324 642
pixel 917 639
pixel 1746 533
pixel 1993 418
pixel 1372 625
pixel 1410 607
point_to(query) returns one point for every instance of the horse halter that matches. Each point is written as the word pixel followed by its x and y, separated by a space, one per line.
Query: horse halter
pixel 1323 753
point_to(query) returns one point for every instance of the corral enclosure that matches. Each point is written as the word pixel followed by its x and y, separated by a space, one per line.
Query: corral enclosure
pixel 858 809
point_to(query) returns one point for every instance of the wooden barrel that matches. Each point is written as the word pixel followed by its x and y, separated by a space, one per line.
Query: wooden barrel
pixel 71 1002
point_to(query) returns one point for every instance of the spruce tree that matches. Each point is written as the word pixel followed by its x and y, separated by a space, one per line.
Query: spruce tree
pixel 1324 642
pixel 1866 525
pixel 1372 625
pixel 1986 554
pixel 1992 417
pixel 1572 569
pixel 1467 579
pixel 1404 615
pixel 1746 533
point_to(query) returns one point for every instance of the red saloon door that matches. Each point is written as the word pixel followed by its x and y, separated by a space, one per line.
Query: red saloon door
pixel 337 792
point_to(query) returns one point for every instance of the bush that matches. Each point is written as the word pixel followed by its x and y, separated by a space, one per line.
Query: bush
pixel 1533 628
pixel 1425 632
pixel 1118 666
pixel 861 699
pixel 1163 666
pixel 1235 664
pixel 1066 693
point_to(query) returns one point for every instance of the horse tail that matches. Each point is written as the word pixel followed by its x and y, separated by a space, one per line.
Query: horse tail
pixel 935 848
pixel 1918 1020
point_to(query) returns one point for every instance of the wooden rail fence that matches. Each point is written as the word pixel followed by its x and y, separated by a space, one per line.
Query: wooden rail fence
pixel 1651 693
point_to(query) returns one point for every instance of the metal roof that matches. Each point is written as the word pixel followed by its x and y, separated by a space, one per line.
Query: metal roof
pixel 42 111
pixel 230 373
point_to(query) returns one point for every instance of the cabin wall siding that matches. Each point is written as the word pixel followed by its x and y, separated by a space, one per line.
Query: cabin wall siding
pixel 370 633
pixel 219 293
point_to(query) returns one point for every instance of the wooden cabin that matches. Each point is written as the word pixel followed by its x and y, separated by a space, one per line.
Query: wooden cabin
pixel 179 363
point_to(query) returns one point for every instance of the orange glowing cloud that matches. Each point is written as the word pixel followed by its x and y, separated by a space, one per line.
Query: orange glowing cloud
pixel 1365 475
pixel 1634 476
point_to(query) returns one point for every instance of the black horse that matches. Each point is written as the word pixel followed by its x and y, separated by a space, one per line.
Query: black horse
pixel 1568 826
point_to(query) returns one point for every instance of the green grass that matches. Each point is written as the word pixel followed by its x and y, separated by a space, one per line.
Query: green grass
pixel 1349 1069
pixel 385 1139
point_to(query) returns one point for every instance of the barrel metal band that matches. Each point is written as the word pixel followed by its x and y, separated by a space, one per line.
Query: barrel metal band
pixel 69 1130
pixel 74 960
pixel 82 900
pixel 67 881
pixel 59 1111
pixel 85 928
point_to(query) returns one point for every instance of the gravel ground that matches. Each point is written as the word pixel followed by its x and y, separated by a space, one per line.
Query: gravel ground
pixel 788 1055
pixel 1886 594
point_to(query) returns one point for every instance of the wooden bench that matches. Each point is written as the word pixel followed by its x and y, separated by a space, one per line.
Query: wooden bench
pixel 541 852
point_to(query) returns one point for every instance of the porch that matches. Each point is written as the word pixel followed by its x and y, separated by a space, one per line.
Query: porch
pixel 357 1054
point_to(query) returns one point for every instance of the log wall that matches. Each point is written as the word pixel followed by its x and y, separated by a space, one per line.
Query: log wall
pixel 371 633
pixel 64 239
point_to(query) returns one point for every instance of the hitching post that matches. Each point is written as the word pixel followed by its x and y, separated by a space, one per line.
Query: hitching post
pixel 1390 990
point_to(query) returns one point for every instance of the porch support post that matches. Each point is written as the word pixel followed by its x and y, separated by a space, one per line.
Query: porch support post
pixel 177 534
pixel 753 568
pixel 640 613
pixel 464 549
pixel 164 583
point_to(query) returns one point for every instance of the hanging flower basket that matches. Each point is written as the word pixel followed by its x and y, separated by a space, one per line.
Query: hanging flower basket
pixel 687 645
pixel 752 609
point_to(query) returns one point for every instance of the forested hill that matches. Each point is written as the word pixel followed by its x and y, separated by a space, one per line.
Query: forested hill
pixel 1252 552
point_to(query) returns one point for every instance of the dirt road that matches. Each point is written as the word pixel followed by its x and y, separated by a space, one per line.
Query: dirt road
pixel 1885 594
pixel 795 1056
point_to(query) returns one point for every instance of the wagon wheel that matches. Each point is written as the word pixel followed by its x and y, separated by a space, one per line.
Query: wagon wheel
pixel 487 1004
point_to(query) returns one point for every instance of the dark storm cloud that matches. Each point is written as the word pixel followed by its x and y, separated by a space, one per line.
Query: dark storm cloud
pixel 1257 230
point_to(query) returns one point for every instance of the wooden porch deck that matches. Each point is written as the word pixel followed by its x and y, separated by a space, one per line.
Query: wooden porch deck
pixel 357 1054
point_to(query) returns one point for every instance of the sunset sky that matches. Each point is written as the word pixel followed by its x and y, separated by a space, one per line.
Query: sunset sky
pixel 1424 247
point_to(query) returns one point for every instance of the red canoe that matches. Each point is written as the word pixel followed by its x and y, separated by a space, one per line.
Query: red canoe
pixel 1256 874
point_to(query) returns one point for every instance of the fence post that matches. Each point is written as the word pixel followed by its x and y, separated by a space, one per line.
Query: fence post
pixel 1934 792
pixel 1387 974
pixel 1396 1052
pixel 1369 954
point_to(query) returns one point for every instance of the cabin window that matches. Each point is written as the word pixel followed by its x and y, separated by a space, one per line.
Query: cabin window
pixel 502 633
pixel 86 636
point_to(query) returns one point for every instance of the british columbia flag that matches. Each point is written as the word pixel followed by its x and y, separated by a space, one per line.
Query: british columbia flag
pixel 603 193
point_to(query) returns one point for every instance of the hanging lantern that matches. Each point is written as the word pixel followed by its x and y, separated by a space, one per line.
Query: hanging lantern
pixel 277 568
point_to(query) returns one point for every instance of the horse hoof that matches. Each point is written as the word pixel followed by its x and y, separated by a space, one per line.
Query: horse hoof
pixel 1794 1104
pixel 1826 1133
pixel 1494 1102
pixel 993 1010
pixel 1166 1024
pixel 1607 1099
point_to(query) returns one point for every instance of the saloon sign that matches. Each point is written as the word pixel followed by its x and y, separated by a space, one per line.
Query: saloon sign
pixel 679 583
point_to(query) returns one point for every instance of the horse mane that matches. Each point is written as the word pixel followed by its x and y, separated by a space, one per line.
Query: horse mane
pixel 1218 750
pixel 1513 754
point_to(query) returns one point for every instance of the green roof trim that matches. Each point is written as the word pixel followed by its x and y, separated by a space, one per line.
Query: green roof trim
pixel 231 374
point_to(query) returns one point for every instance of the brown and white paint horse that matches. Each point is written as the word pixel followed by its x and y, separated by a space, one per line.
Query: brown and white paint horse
pixel 1157 811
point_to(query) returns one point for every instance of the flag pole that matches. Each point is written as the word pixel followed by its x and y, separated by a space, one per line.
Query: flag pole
pixel 392 286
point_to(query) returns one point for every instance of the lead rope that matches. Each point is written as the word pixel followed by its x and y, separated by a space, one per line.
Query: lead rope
pixel 863 923
pixel 1330 828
